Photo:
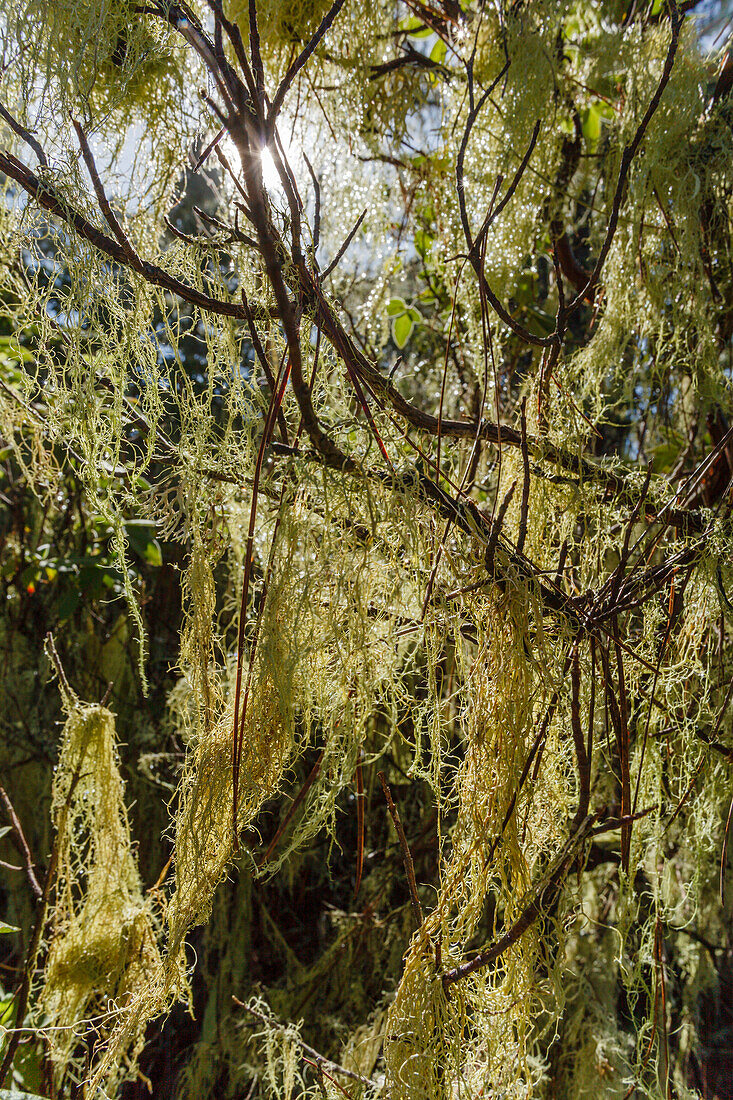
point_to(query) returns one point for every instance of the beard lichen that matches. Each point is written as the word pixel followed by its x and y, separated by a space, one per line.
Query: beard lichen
pixel 104 932
pixel 549 696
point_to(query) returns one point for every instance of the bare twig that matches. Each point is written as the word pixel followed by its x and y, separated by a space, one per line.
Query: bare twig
pixel 208 149
pixel 342 250
pixel 521 537
pixel 628 155
pixel 270 1021
pixel 27 136
pixel 46 197
pixel 581 752
pixel 21 844
pixel 310 780
pixel 299 62
pixel 109 215
pixel 405 852
pixel 359 826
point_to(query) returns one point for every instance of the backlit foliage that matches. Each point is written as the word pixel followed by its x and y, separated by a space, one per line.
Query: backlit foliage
pixel 457 510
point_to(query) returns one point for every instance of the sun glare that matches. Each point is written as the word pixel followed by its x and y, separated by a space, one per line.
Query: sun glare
pixel 269 171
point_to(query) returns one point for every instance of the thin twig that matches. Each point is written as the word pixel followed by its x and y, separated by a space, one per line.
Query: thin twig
pixel 525 480
pixel 21 844
pixel 208 149
pixel 359 826
pixel 339 255
pixel 50 647
pixel 48 199
pixel 317 214
pixel 109 215
pixel 581 751
pixel 628 155
pixel 299 62
pixel 310 780
pixel 405 851
pixel 27 136
pixel 270 1021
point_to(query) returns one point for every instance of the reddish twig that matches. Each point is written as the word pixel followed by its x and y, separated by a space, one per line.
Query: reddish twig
pixel 581 752
pixel 359 826
pixel 310 780
pixel 21 844
pixel 405 852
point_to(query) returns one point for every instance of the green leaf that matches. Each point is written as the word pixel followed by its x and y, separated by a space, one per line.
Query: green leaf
pixel 437 54
pixel 402 327
pixel 418 30
pixel 141 537
pixel 6 929
pixel 396 306
pixel 664 457
pixel 5 830
pixel 153 554
pixel 423 242
pixel 7 1010
pixel 524 291
pixel 68 603
pixel 591 121
pixel 540 323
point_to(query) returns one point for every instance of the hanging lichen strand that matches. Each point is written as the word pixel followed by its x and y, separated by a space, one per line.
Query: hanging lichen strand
pixel 457 511
pixel 103 935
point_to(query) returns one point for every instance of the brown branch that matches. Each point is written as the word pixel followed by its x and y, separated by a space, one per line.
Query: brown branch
pixel 204 156
pixel 494 214
pixel 264 363
pixel 473 253
pixel 496 527
pixel 546 894
pixel 573 271
pixel 27 136
pixel 542 450
pixel 628 155
pixel 254 46
pixel 521 537
pixel 581 752
pixel 410 58
pixel 299 62
pixel 339 255
pixel 21 844
pixel 256 90
pixel 272 250
pixel 122 239
pixel 310 780
pixel 405 852
pixel 47 198
pixel 359 826
pixel 618 712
